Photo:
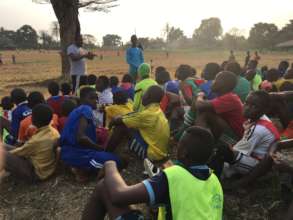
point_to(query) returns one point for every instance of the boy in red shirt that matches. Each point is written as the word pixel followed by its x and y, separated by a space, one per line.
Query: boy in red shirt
pixel 55 101
pixel 224 112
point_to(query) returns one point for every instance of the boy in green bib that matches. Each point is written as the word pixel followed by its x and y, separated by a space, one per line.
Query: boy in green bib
pixel 186 191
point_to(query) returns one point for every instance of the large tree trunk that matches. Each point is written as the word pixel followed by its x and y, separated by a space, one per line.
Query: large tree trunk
pixel 67 14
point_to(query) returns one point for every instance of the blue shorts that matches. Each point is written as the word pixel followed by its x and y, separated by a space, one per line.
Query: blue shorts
pixel 86 158
pixel 138 145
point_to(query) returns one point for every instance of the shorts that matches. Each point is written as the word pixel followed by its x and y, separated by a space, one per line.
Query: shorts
pixel 132 215
pixel 138 145
pixel 20 168
pixel 87 159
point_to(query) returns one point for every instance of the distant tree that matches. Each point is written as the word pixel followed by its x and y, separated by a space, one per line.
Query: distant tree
pixel 55 30
pixel 9 37
pixel 144 41
pixel 286 33
pixel 208 33
pixel 263 35
pixel 67 13
pixel 234 40
pixel 157 43
pixel 175 34
pixel 6 43
pixel 89 41
pixel 26 37
pixel 111 41
pixel 46 40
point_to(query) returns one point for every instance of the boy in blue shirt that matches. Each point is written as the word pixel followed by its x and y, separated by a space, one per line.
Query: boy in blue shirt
pixel 134 57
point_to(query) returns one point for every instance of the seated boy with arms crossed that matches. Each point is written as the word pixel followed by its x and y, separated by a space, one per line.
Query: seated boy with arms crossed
pixel 188 191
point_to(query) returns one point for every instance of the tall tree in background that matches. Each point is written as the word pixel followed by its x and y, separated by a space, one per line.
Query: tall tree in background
pixel 66 12
pixel 263 35
pixel 208 32
pixel 89 41
pixel 111 41
pixel 175 34
pixel 286 33
pixel 26 37
pixel 46 39
pixel 234 39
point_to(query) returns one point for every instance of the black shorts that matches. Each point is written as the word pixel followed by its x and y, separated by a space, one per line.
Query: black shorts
pixel 132 215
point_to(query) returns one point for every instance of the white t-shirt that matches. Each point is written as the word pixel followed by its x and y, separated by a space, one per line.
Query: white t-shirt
pixel 77 67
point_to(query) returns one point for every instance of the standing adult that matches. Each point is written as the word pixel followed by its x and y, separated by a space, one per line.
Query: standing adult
pixel 134 57
pixel 77 58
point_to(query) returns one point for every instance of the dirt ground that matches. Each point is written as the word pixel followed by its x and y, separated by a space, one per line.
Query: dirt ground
pixel 61 197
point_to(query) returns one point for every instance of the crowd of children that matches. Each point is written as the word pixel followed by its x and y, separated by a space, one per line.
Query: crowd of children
pixel 224 123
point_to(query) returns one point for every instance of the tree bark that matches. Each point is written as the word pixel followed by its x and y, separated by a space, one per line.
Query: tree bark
pixel 66 12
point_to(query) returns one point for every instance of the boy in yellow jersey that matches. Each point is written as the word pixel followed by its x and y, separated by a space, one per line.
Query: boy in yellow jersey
pixel 148 131
pixel 188 191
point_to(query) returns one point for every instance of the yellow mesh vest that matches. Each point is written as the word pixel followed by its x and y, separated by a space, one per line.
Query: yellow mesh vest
pixel 192 198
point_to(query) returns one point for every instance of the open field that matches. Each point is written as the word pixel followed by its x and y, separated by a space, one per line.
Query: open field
pixel 61 197
pixel 33 68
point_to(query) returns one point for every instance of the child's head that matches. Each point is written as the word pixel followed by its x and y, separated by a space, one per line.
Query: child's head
pixel 102 83
pixel 211 70
pixel 264 69
pixel 127 78
pixel 162 77
pixel 114 81
pixel 183 72
pixel 18 96
pixel 120 98
pixel 250 74
pixel 159 69
pixel 252 64
pixel 272 75
pixel 67 107
pixel 42 115
pixel 283 66
pixel 92 79
pixel 88 96
pixel 190 155
pixel 83 80
pixel 224 83
pixel 256 105
pixel 6 103
pixel 144 71
pixel 66 88
pixel 154 94
pixel 235 68
pixel 35 98
pixel 53 88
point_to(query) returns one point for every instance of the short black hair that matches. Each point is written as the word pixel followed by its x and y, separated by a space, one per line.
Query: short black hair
pixel 35 98
pixel 42 115
pixel 199 143
pixel 67 107
pixel 228 80
pixel 120 98
pixel 66 88
pixel 272 75
pixel 18 95
pixel 211 70
pixel 6 103
pixel 84 92
pixel 105 80
pixel 264 99
pixel 162 77
pixel 253 64
pixel 53 88
pixel 235 68
pixel 183 72
pixel 160 69
pixel 284 65
pixel 114 81
pixel 92 79
pixel 127 78
pixel 83 80
pixel 155 94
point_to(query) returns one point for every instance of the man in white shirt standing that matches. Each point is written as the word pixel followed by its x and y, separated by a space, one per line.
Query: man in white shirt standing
pixel 77 58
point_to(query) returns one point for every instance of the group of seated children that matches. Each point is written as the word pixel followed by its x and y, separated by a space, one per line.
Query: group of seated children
pixel 225 121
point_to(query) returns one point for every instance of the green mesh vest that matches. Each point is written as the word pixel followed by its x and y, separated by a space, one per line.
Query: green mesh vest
pixel 192 198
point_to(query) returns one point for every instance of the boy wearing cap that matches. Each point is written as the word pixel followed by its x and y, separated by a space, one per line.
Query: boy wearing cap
pixel 142 86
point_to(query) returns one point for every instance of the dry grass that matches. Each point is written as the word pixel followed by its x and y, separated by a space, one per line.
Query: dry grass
pixel 61 197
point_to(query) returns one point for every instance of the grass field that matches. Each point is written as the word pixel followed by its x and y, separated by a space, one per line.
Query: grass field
pixel 33 67
pixel 61 197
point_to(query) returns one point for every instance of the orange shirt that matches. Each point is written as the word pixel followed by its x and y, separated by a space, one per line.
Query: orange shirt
pixel 27 129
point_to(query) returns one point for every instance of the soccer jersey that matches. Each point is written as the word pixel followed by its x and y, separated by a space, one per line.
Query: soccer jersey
pixel 55 102
pixel 113 111
pixel 18 114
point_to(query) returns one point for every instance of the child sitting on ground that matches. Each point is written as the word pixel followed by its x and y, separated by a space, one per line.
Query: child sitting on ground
pixel 147 130
pixel 56 100
pixel 114 84
pixel 144 82
pixel 66 89
pixel 79 148
pixel 105 95
pixel 36 159
pixel 66 108
pixel 27 129
pixel 253 75
pixel 6 113
pixel 187 191
pixel 127 85
pixel 120 107
pixel 19 98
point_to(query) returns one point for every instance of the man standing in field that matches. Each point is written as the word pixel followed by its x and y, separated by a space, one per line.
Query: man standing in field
pixel 134 57
pixel 77 58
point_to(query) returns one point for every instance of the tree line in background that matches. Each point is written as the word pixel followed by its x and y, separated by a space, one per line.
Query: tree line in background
pixel 209 35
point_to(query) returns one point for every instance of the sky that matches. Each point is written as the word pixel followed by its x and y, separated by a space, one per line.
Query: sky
pixel 147 18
